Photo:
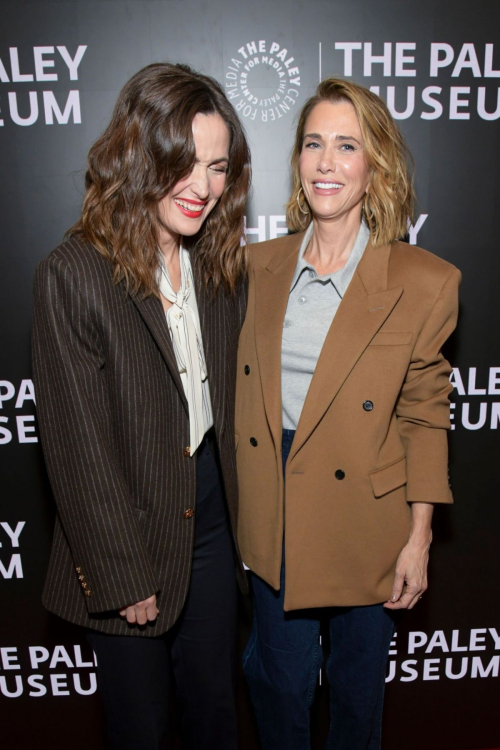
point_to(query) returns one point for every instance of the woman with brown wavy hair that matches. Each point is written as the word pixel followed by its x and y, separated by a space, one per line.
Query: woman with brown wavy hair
pixel 137 317
pixel 341 417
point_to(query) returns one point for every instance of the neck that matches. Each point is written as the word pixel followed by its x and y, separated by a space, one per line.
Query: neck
pixel 169 245
pixel 332 242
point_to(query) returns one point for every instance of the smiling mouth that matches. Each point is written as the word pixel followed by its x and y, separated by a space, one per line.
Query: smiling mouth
pixel 192 209
pixel 328 185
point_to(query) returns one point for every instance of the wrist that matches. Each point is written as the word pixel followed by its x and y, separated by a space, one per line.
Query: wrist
pixel 421 525
pixel 420 537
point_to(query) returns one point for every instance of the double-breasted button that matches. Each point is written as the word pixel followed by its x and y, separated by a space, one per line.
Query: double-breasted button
pixel 368 405
pixel 339 474
pixel 247 370
pixel 187 451
pixel 188 513
pixel 253 442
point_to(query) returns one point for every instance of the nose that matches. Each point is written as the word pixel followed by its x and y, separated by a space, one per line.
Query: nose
pixel 199 182
pixel 327 162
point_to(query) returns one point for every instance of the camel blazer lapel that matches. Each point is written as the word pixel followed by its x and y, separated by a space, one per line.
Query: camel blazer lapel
pixel 272 286
pixel 365 307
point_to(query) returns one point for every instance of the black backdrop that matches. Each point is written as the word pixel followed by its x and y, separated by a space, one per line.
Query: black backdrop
pixel 438 66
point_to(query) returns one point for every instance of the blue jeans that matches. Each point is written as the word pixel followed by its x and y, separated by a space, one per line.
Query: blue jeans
pixel 283 659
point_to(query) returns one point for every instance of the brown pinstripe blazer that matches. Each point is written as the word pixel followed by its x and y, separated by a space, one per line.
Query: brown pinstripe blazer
pixel 114 424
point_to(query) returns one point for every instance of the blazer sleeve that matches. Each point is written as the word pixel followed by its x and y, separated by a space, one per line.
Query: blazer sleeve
pixel 423 407
pixel 93 501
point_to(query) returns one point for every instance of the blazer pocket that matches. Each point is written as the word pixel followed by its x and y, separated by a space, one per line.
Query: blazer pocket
pixel 392 338
pixel 389 478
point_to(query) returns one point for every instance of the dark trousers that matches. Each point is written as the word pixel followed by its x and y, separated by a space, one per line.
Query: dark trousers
pixel 283 658
pixel 196 659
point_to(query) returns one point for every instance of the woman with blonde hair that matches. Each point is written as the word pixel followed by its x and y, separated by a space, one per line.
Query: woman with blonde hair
pixel 136 322
pixel 341 418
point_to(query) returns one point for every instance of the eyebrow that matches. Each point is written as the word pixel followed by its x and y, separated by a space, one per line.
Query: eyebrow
pixel 337 138
pixel 216 161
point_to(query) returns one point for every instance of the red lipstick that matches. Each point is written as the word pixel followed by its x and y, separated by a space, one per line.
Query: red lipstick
pixel 188 211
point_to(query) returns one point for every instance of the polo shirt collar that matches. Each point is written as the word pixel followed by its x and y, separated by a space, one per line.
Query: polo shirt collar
pixel 341 278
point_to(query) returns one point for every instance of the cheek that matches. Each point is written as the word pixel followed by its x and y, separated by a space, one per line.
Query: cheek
pixel 364 174
pixel 303 165
pixel 166 202
pixel 163 205
pixel 178 188
pixel 217 186
pixel 358 172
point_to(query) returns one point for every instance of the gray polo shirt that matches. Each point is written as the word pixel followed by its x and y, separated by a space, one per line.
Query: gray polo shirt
pixel 312 304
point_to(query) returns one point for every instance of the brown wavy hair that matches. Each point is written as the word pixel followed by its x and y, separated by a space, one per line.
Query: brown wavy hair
pixel 145 150
pixel 389 202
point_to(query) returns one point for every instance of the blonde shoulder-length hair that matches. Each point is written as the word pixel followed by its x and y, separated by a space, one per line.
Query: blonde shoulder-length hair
pixel 389 202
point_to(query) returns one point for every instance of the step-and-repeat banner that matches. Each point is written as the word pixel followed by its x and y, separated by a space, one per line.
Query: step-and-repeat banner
pixel 438 67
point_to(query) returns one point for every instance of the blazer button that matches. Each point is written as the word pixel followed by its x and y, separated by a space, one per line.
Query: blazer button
pixel 368 405
pixel 247 370
pixel 253 442
pixel 339 474
pixel 189 513
pixel 187 452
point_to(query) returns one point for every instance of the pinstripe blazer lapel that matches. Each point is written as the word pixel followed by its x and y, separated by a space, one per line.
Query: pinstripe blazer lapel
pixel 215 333
pixel 153 315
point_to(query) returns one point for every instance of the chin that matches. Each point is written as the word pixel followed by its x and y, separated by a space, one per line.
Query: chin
pixel 322 214
pixel 191 229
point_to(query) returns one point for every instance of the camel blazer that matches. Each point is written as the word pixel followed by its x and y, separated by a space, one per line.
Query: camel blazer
pixel 114 427
pixel 372 434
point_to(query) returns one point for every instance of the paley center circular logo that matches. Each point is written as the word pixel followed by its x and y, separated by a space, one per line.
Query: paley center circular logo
pixel 263 81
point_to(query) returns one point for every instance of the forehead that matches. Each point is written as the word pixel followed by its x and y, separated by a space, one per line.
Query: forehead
pixel 329 118
pixel 210 135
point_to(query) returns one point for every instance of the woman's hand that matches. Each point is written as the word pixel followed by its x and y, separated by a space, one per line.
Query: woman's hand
pixel 141 612
pixel 410 581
